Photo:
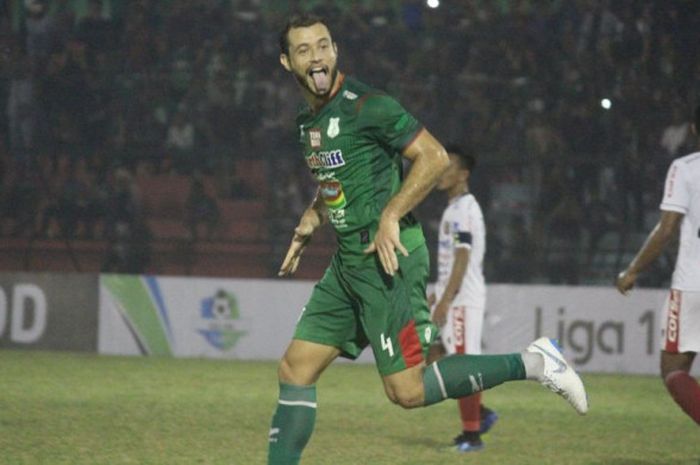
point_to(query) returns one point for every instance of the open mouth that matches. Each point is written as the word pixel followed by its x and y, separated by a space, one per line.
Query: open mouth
pixel 321 79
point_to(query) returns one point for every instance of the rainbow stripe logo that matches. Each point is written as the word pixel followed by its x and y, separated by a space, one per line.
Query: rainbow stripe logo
pixel 333 195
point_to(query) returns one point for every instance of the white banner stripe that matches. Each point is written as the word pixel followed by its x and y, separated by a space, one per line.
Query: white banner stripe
pixel 297 403
pixel 440 381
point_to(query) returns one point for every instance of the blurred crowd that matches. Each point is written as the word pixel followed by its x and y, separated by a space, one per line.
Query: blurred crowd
pixel 574 107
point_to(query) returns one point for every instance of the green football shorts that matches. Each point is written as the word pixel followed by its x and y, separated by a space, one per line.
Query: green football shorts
pixel 351 307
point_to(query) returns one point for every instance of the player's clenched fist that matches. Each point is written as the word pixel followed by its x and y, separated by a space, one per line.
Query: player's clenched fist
pixel 625 281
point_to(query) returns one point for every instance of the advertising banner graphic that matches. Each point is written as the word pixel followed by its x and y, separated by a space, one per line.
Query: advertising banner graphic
pixel 599 330
pixel 48 311
pixel 193 317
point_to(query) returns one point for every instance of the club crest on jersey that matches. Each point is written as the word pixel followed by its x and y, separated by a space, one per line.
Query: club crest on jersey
pixel 333 127
pixel 315 138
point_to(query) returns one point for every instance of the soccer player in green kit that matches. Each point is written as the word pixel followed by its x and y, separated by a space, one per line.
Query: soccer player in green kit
pixel 353 139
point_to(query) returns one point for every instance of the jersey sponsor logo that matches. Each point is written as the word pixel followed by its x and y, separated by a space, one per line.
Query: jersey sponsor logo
pixel 674 309
pixel 458 325
pixel 329 159
pixel 333 195
pixel 315 138
pixel 350 95
pixel 333 127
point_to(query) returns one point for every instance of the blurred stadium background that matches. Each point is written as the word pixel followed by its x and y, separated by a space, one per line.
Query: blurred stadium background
pixel 156 136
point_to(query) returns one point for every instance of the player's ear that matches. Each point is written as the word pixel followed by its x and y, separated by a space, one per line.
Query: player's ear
pixel 284 59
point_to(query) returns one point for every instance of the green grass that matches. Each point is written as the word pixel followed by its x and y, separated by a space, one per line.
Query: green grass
pixel 59 408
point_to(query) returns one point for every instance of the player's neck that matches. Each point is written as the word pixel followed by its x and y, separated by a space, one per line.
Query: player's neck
pixel 457 190
pixel 316 102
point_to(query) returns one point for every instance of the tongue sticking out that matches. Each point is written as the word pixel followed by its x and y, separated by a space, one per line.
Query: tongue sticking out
pixel 322 82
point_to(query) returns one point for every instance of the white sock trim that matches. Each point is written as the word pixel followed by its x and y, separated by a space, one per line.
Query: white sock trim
pixel 441 383
pixel 297 403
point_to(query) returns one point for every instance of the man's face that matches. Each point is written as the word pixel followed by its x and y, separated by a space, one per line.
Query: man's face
pixel 312 58
pixel 454 175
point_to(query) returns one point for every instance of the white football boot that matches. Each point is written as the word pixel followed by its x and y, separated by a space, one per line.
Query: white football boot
pixel 559 376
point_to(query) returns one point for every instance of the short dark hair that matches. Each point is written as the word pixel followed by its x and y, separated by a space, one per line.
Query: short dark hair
pixel 466 157
pixel 298 20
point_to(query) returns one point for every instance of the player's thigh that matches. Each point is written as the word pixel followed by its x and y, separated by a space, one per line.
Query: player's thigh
pixel 681 322
pixel 304 361
pixel 463 327
pixel 395 313
pixel 330 317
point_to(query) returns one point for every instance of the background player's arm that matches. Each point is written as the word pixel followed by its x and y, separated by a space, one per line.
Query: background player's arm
pixel 313 217
pixel 459 270
pixel 430 160
pixel 665 230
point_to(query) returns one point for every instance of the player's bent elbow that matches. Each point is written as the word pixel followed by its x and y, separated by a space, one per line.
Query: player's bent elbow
pixel 443 160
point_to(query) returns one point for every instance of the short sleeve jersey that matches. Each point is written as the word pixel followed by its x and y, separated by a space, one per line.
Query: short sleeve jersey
pixel 682 195
pixel 462 225
pixel 353 147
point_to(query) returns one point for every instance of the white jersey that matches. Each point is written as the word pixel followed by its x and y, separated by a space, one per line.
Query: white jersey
pixel 682 195
pixel 462 225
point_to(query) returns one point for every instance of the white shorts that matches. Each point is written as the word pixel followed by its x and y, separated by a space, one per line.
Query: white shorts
pixel 462 331
pixel 680 325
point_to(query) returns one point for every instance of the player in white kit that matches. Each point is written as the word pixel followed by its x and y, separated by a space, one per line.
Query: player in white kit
pixel 680 209
pixel 460 290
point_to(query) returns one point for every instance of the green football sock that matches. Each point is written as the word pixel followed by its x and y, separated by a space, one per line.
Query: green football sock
pixel 460 375
pixel 292 424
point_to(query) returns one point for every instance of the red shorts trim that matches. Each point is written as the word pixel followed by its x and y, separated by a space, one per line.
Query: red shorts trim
pixel 411 348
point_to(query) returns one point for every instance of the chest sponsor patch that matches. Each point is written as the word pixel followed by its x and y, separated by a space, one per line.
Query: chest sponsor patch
pixel 315 138
pixel 327 159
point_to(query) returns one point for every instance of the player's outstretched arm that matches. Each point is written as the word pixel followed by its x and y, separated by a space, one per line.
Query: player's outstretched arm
pixel 665 230
pixel 313 217
pixel 430 160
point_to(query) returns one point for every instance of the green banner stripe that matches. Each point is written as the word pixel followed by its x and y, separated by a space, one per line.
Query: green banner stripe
pixel 136 303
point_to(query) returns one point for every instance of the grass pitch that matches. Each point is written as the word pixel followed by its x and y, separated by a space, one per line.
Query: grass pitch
pixel 73 409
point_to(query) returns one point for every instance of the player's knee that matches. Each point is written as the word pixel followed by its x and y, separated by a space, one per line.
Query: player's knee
pixel 289 374
pixel 407 397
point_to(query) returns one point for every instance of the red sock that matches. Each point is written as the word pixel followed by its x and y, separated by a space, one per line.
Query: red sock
pixel 686 392
pixel 470 412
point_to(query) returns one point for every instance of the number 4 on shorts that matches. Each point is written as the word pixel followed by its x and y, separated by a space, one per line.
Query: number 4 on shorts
pixel 386 344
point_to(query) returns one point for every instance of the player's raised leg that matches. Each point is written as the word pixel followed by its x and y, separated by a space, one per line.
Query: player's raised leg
pixel 294 418
pixel 458 376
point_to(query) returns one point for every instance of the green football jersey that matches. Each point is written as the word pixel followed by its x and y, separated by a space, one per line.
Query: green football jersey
pixel 353 147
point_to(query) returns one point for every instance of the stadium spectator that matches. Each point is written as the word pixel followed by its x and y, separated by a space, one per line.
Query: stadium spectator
pixel 201 209
pixel 180 142
pixel 22 109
